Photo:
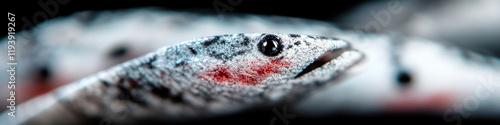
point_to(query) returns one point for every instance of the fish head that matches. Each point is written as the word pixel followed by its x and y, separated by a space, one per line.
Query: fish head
pixel 257 59
pixel 253 64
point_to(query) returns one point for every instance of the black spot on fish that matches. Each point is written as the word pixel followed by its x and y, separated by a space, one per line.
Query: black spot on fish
pixel 211 41
pixel 294 35
pixel 297 43
pixel 44 72
pixel 180 63
pixel 289 46
pixel 310 36
pixel 226 35
pixel 192 51
pixel 223 42
pixel 153 58
pixel 105 83
pixel 220 56
pixel 404 78
pixel 241 52
pixel 246 41
pixel 307 42
pixel 161 92
pixel 118 52
pixel 280 58
pixel 149 64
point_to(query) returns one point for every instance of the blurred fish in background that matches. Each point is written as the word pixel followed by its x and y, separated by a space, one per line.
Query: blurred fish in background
pixel 472 25
pixel 435 61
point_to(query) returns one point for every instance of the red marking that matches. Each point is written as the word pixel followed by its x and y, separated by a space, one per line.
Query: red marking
pixel 249 74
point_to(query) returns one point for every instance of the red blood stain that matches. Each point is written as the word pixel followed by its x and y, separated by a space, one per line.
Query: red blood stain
pixel 249 74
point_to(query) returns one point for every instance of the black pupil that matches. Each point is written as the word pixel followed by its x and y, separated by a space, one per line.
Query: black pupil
pixel 270 45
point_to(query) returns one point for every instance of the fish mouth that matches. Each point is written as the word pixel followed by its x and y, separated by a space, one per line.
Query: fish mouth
pixel 330 55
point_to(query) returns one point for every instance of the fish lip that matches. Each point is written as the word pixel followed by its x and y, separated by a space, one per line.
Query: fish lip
pixel 325 58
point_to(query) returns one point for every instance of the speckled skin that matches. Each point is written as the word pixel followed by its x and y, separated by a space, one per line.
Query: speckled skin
pixel 169 84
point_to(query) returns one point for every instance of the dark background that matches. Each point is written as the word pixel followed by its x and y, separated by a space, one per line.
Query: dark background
pixel 319 10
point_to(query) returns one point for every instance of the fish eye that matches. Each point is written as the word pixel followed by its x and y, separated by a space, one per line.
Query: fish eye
pixel 270 45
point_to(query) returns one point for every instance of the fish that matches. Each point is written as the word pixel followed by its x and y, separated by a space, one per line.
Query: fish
pixel 53 52
pixel 201 78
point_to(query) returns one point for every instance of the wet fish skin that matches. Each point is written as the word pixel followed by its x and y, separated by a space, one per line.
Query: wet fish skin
pixel 205 77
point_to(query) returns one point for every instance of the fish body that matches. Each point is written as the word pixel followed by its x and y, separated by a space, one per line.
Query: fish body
pixel 206 77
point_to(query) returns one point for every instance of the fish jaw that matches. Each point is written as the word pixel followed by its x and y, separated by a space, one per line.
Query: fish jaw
pixel 318 61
